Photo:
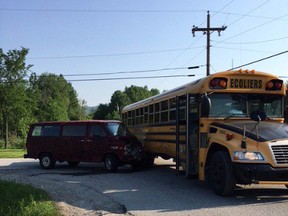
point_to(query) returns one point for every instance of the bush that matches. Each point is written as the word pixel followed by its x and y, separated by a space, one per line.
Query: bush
pixel 14 143
pixel 24 200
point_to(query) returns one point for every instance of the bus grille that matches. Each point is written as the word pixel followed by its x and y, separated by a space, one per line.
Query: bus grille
pixel 280 153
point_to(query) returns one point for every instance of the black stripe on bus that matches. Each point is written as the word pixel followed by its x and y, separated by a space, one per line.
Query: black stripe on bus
pixel 165 141
pixel 165 133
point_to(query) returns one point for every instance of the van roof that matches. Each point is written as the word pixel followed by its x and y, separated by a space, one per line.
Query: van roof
pixel 76 122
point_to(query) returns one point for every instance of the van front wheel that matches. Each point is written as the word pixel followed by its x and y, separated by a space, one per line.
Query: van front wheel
pixel 47 161
pixel 111 163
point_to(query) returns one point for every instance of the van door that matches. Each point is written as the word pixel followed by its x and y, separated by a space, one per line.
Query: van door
pixel 96 142
pixel 73 140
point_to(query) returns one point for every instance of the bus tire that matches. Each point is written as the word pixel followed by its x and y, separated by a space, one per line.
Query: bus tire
pixel 221 175
pixel 47 161
pixel 111 163
pixel 73 163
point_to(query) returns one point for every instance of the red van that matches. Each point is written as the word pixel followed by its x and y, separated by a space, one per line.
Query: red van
pixel 82 141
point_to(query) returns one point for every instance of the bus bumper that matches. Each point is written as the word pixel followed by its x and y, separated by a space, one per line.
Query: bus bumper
pixel 259 174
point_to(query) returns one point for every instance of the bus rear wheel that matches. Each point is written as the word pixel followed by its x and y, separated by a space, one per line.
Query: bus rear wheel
pixel 111 163
pixel 47 161
pixel 221 175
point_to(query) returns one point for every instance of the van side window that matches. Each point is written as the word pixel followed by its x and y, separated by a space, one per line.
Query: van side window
pixel 37 131
pixel 46 131
pixel 74 130
pixel 97 130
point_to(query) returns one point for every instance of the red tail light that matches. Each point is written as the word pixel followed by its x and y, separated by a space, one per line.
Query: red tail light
pixel 274 85
pixel 218 83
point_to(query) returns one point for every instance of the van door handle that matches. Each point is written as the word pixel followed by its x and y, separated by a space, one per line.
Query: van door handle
pixel 82 140
pixel 89 140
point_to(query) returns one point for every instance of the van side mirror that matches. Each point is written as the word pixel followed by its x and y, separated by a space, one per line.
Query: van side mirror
pixel 258 115
pixel 205 105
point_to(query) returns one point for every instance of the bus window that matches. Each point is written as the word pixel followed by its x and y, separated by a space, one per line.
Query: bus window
pixel 241 105
pixel 228 105
pixel 270 104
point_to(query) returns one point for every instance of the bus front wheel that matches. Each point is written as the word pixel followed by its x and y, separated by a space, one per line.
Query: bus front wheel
pixel 47 161
pixel 221 175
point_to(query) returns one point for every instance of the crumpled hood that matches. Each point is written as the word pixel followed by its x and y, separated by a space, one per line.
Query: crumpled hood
pixel 266 130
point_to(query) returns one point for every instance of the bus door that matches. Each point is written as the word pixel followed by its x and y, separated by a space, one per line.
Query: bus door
pixel 192 135
pixel 180 132
pixel 187 125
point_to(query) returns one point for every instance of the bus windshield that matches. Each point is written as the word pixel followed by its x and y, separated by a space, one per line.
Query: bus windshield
pixel 241 105
pixel 117 129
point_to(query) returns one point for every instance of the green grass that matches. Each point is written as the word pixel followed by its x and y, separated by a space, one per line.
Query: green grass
pixel 24 200
pixel 12 153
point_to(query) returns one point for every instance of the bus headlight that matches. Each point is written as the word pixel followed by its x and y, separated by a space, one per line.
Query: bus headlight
pixel 249 156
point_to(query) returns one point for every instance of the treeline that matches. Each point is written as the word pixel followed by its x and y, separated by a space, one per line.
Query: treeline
pixel 119 99
pixel 26 98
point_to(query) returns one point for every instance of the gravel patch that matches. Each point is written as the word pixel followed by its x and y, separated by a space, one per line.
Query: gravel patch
pixel 73 190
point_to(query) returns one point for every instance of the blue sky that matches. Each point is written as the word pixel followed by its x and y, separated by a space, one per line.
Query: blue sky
pixel 92 37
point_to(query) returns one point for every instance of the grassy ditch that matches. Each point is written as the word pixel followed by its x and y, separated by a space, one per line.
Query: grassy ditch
pixel 12 153
pixel 25 200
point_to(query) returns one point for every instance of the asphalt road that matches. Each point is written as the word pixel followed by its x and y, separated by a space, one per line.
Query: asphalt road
pixel 90 190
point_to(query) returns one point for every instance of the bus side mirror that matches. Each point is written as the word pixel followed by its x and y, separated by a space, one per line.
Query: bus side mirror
pixel 258 115
pixel 205 105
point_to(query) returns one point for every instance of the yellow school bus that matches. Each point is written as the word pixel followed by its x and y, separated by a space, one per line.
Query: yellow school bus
pixel 226 129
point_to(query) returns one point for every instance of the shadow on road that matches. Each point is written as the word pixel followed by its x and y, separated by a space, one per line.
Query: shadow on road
pixel 158 189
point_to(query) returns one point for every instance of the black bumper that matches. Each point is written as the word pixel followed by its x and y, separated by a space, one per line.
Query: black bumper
pixel 253 173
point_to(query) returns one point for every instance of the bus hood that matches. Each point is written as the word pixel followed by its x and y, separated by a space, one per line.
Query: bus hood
pixel 267 131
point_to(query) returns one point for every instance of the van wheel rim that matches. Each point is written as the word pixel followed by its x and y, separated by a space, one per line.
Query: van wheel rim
pixel 46 161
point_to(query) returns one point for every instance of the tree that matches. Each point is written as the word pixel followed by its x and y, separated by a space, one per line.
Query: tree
pixel 56 98
pixel 119 99
pixel 13 70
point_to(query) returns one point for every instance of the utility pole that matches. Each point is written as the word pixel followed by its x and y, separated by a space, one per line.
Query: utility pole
pixel 208 31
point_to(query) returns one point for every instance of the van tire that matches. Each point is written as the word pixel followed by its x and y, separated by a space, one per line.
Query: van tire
pixel 111 163
pixel 47 161
pixel 221 176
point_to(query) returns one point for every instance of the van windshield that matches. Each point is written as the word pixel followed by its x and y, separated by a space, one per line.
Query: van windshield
pixel 117 129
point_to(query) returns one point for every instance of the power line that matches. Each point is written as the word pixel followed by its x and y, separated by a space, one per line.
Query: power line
pixel 131 72
pixel 128 72
pixel 253 28
pixel 249 12
pixel 249 50
pixel 254 42
pixel 259 60
pixel 112 55
pixel 129 78
pixel 98 11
